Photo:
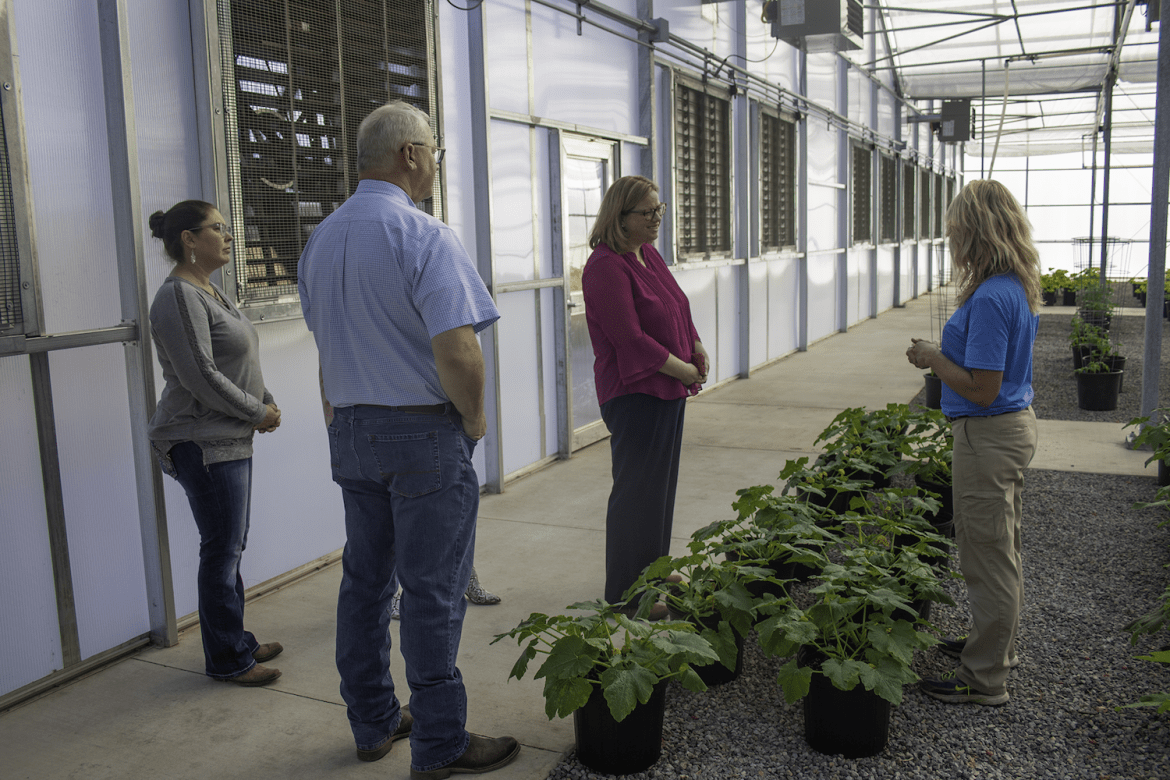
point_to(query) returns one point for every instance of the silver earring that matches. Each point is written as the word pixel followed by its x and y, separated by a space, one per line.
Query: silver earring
pixel 192 255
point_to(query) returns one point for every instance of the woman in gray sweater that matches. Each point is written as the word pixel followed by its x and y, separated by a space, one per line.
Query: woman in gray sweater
pixel 213 401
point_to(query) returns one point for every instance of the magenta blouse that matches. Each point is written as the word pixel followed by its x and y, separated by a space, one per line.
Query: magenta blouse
pixel 637 316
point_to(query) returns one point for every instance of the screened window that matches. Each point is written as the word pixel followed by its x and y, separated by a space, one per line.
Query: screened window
pixel 925 177
pixel 777 182
pixel 11 316
pixel 909 204
pixel 299 77
pixel 939 205
pixel 702 171
pixel 862 197
pixel 888 205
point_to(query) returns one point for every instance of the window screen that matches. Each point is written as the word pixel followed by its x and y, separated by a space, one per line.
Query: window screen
pixel 10 310
pixel 888 205
pixel 862 200
pixel 909 204
pixel 299 77
pixel 702 171
pixel 924 179
pixel 777 182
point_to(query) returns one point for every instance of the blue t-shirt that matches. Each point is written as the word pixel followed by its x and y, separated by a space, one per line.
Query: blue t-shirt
pixel 993 330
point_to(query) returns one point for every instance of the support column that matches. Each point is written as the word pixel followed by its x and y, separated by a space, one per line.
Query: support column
pixel 743 246
pixel 1159 196
pixel 113 32
pixel 480 128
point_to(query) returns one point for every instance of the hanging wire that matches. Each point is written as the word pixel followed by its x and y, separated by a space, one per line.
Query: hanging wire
pixel 468 8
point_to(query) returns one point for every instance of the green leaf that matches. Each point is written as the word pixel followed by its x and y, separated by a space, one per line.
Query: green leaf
pixel 571 657
pixel 843 673
pixel 697 649
pixel 626 688
pixel 521 665
pixel 691 680
pixel 563 696
pixel 794 680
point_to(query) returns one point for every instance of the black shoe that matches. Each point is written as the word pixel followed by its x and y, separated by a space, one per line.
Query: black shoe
pixel 483 754
pixel 405 724
pixel 952 690
pixel 953 647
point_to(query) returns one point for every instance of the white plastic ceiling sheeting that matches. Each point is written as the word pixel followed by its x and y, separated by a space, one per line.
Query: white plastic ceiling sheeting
pixel 1043 49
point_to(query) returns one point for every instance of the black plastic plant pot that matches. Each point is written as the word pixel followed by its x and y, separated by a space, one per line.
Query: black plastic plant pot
pixel 853 724
pixel 1069 297
pixel 933 398
pixel 1163 474
pixel 1098 392
pixel 1116 363
pixel 716 673
pixel 613 748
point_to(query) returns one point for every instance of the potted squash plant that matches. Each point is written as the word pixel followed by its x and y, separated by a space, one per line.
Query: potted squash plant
pixel 610 672
pixel 850 650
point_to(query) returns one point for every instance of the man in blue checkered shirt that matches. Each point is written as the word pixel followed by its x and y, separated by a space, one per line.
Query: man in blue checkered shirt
pixel 394 303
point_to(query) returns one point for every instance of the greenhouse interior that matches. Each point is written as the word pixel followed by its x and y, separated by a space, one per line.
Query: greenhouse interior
pixel 805 154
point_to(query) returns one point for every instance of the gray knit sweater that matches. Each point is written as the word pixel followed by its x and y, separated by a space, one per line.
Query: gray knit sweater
pixel 210 357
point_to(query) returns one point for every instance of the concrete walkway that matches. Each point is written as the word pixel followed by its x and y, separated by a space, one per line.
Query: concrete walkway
pixel 540 546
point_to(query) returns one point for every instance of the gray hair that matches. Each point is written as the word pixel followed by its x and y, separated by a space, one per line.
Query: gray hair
pixel 386 130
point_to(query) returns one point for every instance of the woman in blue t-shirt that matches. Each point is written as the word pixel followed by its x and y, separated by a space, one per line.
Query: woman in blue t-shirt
pixel 985 364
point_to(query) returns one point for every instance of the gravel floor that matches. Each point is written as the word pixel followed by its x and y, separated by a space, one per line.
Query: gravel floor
pixel 1092 564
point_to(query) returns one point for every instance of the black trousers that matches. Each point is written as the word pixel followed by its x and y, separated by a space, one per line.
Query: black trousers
pixel 646 443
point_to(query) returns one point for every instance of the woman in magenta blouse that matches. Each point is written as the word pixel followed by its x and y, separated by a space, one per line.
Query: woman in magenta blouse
pixel 648 359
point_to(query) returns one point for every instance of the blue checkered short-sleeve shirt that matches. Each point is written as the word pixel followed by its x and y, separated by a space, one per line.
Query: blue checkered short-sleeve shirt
pixel 378 279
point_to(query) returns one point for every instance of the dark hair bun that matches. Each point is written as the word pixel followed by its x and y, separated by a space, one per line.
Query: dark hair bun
pixel 157 221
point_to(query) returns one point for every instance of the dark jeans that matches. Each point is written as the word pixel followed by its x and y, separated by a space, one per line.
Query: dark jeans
pixel 411 500
pixel 646 443
pixel 220 497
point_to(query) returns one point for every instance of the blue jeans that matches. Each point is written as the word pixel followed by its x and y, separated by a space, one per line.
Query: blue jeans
pixel 411 500
pixel 220 496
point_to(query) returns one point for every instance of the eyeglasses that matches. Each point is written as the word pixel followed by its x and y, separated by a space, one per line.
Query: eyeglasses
pixel 218 227
pixel 650 213
pixel 440 151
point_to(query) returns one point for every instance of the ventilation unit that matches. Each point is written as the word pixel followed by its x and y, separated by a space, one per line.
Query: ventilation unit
pixel 818 25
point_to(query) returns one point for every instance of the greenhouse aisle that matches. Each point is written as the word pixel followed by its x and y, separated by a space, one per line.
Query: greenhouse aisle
pixel 540 547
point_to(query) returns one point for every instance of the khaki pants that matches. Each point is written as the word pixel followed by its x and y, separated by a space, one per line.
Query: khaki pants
pixel 990 456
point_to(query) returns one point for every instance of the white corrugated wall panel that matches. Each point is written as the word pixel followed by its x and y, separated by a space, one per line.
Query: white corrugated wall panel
pixel 100 494
pixel 30 642
pixel 760 312
pixel 588 79
pixel 699 286
pixel 783 309
pixel 822 296
pixel 520 386
pixel 550 360
pixel 885 278
pixel 64 112
pixel 512 216
pixel 507 55
pixel 727 287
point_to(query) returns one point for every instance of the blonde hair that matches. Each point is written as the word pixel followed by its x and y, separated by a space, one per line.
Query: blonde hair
pixel 622 196
pixel 989 234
